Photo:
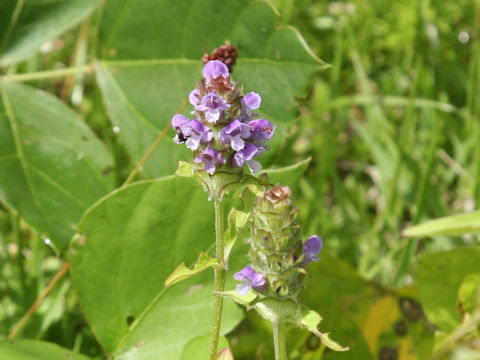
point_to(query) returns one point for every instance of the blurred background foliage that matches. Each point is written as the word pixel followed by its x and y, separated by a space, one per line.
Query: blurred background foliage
pixel 392 129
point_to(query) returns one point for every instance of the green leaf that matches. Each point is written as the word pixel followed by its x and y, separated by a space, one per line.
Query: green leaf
pixel 469 293
pixel 239 299
pixel 199 348
pixel 438 277
pixel 289 175
pixel 468 223
pixel 52 166
pixel 23 349
pixel 29 24
pixel 130 242
pixel 145 75
pixel 182 272
pixel 274 310
pixel 310 321
pixel 344 309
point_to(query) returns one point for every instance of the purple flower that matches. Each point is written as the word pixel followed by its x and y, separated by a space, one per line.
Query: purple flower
pixel 234 134
pixel 246 155
pixel 210 158
pixel 178 121
pixel 262 130
pixel 214 69
pixel 191 132
pixel 311 249
pixel 213 105
pixel 194 97
pixel 250 278
pixel 251 101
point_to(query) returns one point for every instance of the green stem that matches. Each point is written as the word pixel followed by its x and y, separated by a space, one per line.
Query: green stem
pixel 219 278
pixel 279 340
pixel 49 74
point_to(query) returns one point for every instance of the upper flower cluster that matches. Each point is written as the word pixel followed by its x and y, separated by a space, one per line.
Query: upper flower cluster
pixel 278 254
pixel 224 131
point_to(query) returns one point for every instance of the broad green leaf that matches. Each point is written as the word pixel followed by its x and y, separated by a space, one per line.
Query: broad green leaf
pixel 182 272
pixel 23 349
pixel 468 223
pixel 289 175
pixel 27 25
pixel 145 75
pixel 129 243
pixel 199 348
pixel 52 166
pixel 336 290
pixel 438 278
pixel 310 321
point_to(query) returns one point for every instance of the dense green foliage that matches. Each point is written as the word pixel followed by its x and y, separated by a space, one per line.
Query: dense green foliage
pixel 385 138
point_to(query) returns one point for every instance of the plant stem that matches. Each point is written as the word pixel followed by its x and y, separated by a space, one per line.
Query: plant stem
pixel 62 271
pixel 219 278
pixel 279 340
pixel 49 74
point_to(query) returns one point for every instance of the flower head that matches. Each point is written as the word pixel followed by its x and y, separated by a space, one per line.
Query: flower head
pixel 250 278
pixel 224 126
pixel 312 248
pixel 210 158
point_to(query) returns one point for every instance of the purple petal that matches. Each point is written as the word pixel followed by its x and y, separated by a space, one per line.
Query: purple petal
pixel 210 158
pixel 214 69
pixel 252 101
pixel 262 130
pixel 194 97
pixel 178 120
pixel 312 248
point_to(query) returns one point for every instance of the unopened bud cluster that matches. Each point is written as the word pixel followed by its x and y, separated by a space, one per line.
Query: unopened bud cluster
pixel 225 133
pixel 277 252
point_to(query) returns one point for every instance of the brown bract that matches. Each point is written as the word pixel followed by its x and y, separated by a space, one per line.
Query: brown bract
pixel 278 193
pixel 225 53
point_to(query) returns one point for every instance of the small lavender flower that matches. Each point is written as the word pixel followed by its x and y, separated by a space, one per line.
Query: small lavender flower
pixel 215 69
pixel 210 158
pixel 246 155
pixel 193 133
pixel 213 106
pixel 250 278
pixel 234 134
pixel 311 249
pixel 262 130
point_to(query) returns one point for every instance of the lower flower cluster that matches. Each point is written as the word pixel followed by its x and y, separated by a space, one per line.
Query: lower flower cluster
pixel 225 132
pixel 277 253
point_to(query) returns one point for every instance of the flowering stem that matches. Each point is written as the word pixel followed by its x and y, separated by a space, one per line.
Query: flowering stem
pixel 219 278
pixel 279 340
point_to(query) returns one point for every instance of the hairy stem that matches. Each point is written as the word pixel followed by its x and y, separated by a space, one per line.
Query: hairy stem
pixel 219 278
pixel 279 340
